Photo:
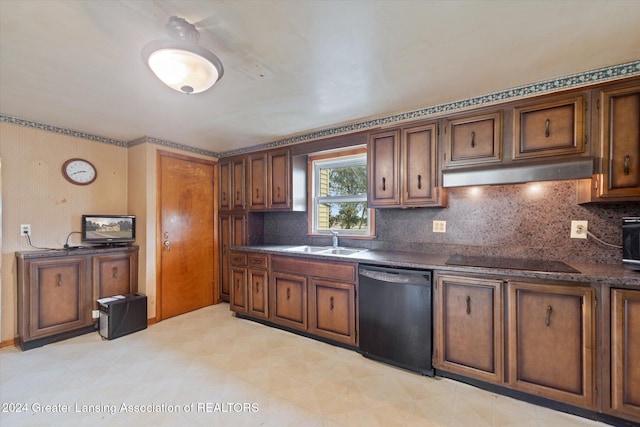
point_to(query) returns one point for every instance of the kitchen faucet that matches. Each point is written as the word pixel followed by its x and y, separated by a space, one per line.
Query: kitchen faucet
pixel 334 238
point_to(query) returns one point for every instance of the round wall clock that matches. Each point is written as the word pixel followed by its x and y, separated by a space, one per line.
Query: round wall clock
pixel 79 171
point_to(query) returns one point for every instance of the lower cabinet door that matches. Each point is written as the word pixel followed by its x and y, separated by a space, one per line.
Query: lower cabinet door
pixel 238 288
pixel 289 300
pixel 469 327
pixel 551 341
pixel 58 296
pixel 113 275
pixel 258 293
pixel 625 353
pixel 332 310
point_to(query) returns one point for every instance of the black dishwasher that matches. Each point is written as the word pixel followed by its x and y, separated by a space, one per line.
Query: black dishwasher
pixel 395 317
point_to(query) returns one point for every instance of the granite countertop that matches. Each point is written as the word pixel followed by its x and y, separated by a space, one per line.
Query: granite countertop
pixel 605 274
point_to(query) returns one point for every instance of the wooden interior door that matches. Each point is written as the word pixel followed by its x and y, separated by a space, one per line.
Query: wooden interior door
pixel 186 235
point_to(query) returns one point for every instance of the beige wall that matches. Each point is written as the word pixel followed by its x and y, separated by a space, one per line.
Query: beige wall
pixel 34 192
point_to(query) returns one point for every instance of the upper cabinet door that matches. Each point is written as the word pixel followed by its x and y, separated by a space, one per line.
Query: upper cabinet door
pixel 474 139
pixel 620 112
pixel 418 174
pixel 237 185
pixel 225 185
pixel 383 159
pixel 549 129
pixel 257 170
pixel 279 180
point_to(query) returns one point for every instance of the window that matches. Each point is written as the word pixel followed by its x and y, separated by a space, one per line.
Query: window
pixel 339 194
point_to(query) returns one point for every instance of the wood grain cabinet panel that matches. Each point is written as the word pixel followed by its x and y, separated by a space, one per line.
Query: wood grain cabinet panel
pixel 625 353
pixel 619 121
pixel 551 343
pixel 279 181
pixel 238 184
pixel 549 129
pixel 257 170
pixel 383 160
pixel 289 300
pixel 238 301
pixel 469 327
pixel 258 293
pixel 332 310
pixel 113 274
pixel 224 179
pixel 474 139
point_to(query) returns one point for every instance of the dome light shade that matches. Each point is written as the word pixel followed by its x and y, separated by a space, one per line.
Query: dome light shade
pixel 181 64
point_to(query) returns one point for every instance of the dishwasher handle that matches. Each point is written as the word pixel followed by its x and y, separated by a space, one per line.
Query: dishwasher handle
pixel 423 279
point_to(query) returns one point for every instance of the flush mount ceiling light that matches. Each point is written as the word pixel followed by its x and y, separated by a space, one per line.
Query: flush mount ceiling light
pixel 179 62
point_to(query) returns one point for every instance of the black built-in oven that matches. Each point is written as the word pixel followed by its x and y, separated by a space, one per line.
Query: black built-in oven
pixel 631 242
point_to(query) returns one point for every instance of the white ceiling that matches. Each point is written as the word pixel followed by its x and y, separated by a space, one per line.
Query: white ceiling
pixel 291 66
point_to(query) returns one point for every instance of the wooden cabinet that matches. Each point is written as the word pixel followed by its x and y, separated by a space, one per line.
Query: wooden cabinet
pixel 232 232
pixel 258 286
pixel 269 177
pixel 57 290
pixel 238 281
pixel 289 300
pixel 232 183
pixel 551 343
pixel 314 296
pixel 625 354
pixel 619 120
pixel 402 168
pixel 550 128
pixel 114 274
pixel 473 140
pixel 332 310
pixel 468 319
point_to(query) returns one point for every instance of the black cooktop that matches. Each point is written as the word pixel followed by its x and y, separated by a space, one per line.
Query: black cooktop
pixel 511 263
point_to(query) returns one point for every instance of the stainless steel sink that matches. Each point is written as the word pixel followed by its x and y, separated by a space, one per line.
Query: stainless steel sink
pixel 324 250
pixel 342 251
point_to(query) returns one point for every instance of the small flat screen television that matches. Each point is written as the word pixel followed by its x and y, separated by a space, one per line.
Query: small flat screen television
pixel 108 229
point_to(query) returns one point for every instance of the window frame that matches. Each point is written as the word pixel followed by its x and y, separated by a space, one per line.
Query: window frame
pixel 335 157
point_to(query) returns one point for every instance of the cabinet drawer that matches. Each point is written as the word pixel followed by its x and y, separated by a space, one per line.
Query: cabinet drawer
pixel 326 269
pixel 550 129
pixel 475 139
pixel 238 259
pixel 260 261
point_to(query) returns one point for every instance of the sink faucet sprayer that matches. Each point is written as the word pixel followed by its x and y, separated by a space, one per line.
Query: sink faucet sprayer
pixel 334 238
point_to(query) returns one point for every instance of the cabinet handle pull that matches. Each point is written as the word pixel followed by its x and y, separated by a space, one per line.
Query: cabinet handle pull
pixel 59 279
pixel 257 287
pixel 257 194
pixel 288 293
pixel 238 195
pixel 224 196
pixel 547 131
pixel 115 272
pixel 627 159
pixel 473 138
pixel 278 192
pixel 547 321
pixel 468 304
pixel 419 182
pixel 384 184
pixel 238 284
pixel 331 303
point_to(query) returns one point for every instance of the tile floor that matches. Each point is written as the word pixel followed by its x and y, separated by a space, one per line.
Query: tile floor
pixel 209 368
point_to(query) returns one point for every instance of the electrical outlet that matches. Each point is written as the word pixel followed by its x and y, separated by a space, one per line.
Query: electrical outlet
pixel 439 226
pixel 25 229
pixel 579 229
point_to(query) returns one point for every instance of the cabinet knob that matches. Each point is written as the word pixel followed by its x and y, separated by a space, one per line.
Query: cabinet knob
pixel 627 159
pixel 547 130
pixel 547 321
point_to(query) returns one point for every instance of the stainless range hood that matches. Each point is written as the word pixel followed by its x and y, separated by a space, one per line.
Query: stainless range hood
pixel 515 174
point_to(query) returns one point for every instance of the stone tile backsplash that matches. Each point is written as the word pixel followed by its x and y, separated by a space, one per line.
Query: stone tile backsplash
pixel 519 221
